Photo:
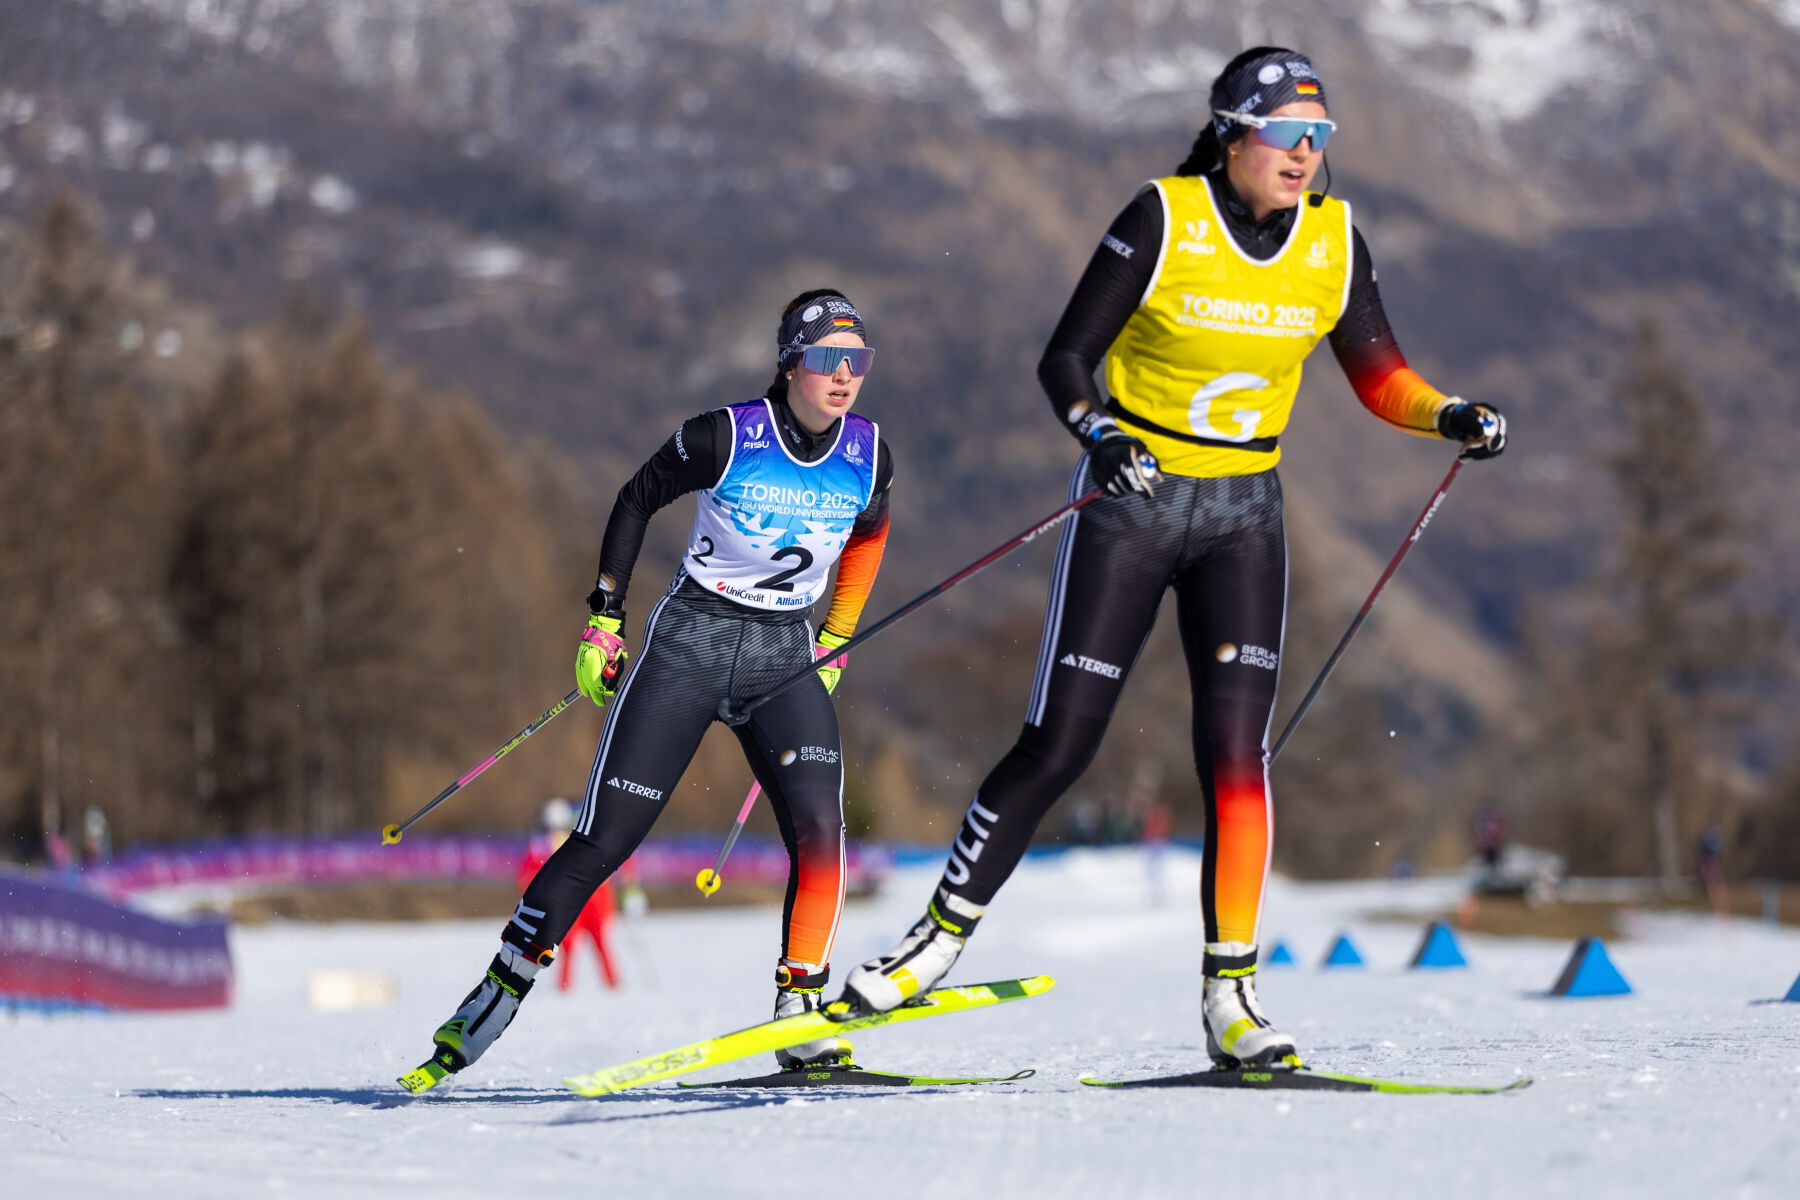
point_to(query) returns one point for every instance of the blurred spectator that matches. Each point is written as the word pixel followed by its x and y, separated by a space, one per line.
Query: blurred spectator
pixel 1490 834
pixel 1158 824
pixel 554 824
pixel 1087 823
pixel 56 849
pixel 96 837
pixel 1709 863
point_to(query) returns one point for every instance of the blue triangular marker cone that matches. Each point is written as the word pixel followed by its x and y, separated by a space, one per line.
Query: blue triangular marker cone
pixel 1794 992
pixel 1590 972
pixel 1438 949
pixel 1279 956
pixel 1343 953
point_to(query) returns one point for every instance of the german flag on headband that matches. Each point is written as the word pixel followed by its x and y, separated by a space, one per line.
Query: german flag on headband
pixel 1262 85
pixel 828 312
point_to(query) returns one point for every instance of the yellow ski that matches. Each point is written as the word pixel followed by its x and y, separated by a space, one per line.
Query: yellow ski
pixel 791 1031
pixel 425 1076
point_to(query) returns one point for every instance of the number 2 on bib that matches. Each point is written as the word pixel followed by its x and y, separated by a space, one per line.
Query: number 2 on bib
pixel 778 582
pixel 1200 408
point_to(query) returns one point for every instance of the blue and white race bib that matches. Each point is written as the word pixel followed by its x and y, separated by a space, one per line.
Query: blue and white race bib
pixel 768 532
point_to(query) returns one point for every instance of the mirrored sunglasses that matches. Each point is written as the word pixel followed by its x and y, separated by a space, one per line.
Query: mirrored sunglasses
pixel 826 359
pixel 1284 133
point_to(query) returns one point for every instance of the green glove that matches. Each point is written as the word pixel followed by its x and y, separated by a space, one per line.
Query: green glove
pixel 824 648
pixel 600 659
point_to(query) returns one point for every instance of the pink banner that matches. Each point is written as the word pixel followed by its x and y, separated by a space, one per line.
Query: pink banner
pixel 267 862
pixel 63 946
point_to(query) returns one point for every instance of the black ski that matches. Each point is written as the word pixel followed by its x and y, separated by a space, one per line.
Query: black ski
pixel 1304 1079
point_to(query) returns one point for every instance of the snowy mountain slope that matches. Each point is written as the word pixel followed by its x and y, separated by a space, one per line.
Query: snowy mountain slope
pixel 1527 78
pixel 1689 1087
pixel 1011 58
pixel 1527 119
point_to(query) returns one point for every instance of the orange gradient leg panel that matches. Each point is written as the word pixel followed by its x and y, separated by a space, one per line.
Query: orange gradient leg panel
pixel 816 900
pixel 792 744
pixel 1236 862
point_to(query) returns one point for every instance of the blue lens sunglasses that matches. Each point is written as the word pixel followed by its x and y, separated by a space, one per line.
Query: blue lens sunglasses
pixel 1284 133
pixel 826 359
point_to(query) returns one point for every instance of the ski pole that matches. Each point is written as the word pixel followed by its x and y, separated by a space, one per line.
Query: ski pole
pixel 1418 529
pixel 392 833
pixel 736 712
pixel 708 880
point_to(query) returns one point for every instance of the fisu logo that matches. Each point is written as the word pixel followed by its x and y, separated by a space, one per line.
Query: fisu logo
pixel 1319 254
pixel 1195 242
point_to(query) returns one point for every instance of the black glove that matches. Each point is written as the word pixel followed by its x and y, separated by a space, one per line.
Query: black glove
pixel 1122 464
pixel 1479 427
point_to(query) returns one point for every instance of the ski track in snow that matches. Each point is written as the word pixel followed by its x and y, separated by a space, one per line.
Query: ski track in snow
pixel 1689 1087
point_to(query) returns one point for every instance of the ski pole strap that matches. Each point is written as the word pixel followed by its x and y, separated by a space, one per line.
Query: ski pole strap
pixel 1259 445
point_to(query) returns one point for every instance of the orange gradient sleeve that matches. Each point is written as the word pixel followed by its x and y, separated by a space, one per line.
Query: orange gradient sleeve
pixel 856 570
pixel 1389 388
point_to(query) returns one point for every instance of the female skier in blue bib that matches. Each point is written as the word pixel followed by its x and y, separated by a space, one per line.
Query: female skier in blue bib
pixel 787 485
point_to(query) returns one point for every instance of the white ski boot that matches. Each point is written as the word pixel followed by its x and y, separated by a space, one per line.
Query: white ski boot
pixel 923 957
pixel 799 988
pixel 480 1020
pixel 1237 1032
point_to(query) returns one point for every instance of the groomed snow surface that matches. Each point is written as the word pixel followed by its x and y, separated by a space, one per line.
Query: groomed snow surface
pixel 1690 1087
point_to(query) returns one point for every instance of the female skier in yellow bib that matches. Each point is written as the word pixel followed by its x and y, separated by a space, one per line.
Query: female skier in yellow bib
pixel 1204 298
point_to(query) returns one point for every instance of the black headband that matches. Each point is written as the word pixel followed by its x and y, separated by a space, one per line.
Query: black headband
pixel 1261 86
pixel 814 321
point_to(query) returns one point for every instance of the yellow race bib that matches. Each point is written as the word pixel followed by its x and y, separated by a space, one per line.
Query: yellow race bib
pixel 1215 347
